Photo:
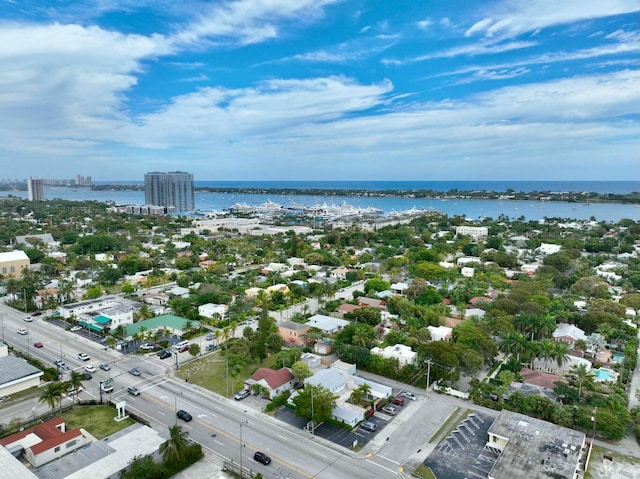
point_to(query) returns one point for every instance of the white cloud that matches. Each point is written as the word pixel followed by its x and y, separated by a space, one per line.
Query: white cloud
pixel 513 17
pixel 248 21
pixel 424 24
pixel 482 48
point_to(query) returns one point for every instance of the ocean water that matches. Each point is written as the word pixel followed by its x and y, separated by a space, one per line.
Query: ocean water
pixel 620 187
pixel 471 209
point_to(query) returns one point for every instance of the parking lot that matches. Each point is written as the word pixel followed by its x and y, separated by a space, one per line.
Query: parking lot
pixel 85 333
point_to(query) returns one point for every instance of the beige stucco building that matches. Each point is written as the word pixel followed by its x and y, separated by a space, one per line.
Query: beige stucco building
pixel 12 264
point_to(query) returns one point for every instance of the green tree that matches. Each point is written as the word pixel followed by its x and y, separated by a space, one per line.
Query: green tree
pixel 580 375
pixel 300 371
pixel 315 403
pixel 194 349
pixel 75 382
pixel 174 449
pixel 52 393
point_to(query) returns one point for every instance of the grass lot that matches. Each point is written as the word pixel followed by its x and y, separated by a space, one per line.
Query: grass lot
pixel 97 420
pixel 424 472
pixel 210 373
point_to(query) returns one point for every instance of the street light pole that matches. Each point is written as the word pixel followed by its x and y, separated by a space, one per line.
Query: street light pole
pixel 428 376
pixel 241 447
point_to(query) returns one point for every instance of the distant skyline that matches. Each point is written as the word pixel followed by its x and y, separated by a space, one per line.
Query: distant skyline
pixel 321 89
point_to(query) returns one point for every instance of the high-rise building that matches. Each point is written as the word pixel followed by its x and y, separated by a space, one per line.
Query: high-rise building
pixel 169 189
pixel 35 189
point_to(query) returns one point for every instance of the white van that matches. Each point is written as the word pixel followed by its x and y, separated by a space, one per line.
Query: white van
pixel 180 345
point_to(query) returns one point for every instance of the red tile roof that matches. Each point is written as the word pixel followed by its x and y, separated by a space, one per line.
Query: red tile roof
pixel 49 433
pixel 274 379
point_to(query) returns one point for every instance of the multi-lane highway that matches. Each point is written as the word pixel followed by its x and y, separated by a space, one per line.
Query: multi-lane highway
pixel 218 423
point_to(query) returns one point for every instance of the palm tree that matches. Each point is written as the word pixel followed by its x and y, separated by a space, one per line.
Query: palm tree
pixel 74 383
pixel 581 375
pixel 561 354
pixel 174 449
pixel 545 350
pixel 51 394
pixel 514 344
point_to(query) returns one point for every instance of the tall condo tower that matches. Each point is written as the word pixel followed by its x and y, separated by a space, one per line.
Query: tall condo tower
pixel 174 188
pixel 35 189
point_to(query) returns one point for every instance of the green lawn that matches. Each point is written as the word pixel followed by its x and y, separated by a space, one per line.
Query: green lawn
pixel 424 472
pixel 97 420
pixel 210 372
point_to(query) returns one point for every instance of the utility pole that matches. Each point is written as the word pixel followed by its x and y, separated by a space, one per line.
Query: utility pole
pixel 241 447
pixel 428 376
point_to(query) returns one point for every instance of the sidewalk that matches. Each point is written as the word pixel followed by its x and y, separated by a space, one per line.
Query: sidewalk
pixel 206 468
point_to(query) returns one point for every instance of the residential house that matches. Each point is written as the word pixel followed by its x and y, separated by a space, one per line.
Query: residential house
pixel 440 333
pixel 46 442
pixel 327 324
pixel 274 382
pixel 476 232
pixel 339 273
pixel 372 303
pixel 399 288
pixel 569 333
pixel 547 248
pixel 211 310
pixel 292 332
pixel 403 353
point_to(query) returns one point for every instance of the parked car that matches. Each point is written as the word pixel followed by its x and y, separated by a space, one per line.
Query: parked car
pixel 75 328
pixel 134 371
pixel 38 345
pixel 241 395
pixel 184 415
pixel 184 348
pixel 134 391
pixel 390 410
pixel 90 369
pixel 83 357
pixel 262 457
pixel 105 367
pixel 23 331
pixel 210 337
pixel 164 354
pixel 87 375
pixel 369 426
pixel 36 313
pixel 408 395
pixel 146 347
pixel 398 401
pixel 210 347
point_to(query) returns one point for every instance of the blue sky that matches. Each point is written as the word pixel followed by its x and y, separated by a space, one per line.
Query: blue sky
pixel 321 89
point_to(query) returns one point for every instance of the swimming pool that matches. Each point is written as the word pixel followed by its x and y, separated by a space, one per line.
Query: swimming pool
pixel 618 357
pixel 605 375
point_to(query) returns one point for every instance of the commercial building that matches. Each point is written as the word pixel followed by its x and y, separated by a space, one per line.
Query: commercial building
pixel 169 189
pixel 35 189
pixel 12 263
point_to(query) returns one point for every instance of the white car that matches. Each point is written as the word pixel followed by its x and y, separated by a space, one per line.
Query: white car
pixel 28 319
pixel 75 328
pixel 409 395
pixel 23 331
pixel 90 369
pixel 83 356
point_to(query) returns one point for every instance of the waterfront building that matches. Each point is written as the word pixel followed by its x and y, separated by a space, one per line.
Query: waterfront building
pixel 35 188
pixel 174 188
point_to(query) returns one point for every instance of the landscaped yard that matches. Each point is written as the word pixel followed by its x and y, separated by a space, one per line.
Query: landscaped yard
pixel 97 420
pixel 210 372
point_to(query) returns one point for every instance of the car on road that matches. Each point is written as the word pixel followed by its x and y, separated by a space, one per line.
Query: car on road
pixel 87 375
pixel 28 319
pixel 106 388
pixel 90 369
pixel 210 337
pixel 134 371
pixel 38 345
pixel 134 391
pixel 146 347
pixel 241 395
pixel 164 354
pixel 75 328
pixel 262 458
pixel 59 363
pixel 369 426
pixel 390 410
pixel 105 367
pixel 250 321
pixel 408 395
pixel 83 356
pixel 23 331
pixel 184 415
pixel 398 401
pixel 36 313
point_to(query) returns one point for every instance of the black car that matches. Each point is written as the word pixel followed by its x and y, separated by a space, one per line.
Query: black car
pixel 184 415
pixel 164 354
pixel 87 374
pixel 262 457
